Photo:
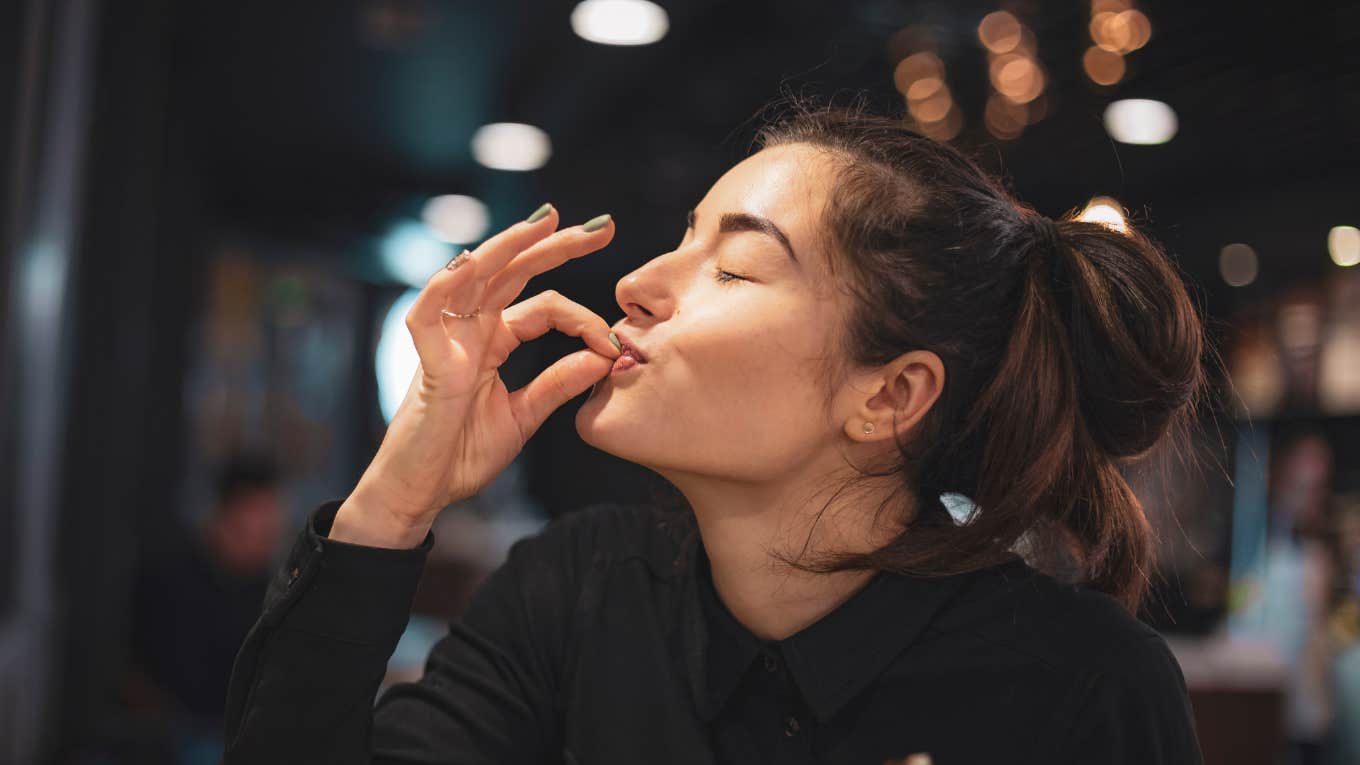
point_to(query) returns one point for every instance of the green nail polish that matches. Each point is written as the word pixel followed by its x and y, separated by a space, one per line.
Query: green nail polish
pixel 596 223
pixel 540 213
pixel 615 340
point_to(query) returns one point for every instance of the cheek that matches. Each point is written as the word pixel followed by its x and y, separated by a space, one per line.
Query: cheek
pixel 763 375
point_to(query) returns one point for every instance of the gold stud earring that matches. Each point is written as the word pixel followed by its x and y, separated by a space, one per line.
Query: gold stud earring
pixel 868 428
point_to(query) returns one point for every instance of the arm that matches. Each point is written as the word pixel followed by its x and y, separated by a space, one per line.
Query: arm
pixel 303 686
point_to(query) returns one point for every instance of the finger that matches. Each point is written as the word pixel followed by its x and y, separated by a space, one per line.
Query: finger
pixel 544 255
pixel 460 289
pixel 533 317
pixel 569 377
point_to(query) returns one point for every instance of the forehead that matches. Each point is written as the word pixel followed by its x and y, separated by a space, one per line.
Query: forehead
pixel 787 184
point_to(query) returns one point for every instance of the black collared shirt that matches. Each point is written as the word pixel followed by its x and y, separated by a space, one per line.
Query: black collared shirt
pixel 601 640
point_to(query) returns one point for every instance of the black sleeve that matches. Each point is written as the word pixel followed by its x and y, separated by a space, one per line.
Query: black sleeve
pixel 303 686
pixel 1137 710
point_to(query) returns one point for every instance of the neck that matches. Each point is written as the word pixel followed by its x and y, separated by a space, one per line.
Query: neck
pixel 742 530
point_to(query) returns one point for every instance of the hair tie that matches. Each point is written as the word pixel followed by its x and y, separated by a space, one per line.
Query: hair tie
pixel 1048 239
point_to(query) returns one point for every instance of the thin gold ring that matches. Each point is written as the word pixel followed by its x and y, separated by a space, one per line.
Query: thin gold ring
pixel 455 315
pixel 452 265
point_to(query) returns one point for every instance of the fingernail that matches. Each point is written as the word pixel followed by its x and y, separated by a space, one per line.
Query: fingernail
pixel 540 213
pixel 615 340
pixel 596 223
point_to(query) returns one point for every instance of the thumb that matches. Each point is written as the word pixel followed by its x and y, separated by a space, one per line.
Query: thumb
pixel 569 377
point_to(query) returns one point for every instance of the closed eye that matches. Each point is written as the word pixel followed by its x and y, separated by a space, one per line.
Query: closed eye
pixel 725 276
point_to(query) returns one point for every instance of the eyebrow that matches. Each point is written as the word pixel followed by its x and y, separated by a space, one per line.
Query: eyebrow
pixel 740 221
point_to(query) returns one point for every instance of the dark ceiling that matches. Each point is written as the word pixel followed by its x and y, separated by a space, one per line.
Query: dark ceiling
pixel 337 116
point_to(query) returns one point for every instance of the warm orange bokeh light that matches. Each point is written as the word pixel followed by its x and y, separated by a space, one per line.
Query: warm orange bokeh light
pixel 915 67
pixel 924 88
pixel 1004 118
pixel 1016 77
pixel 1097 6
pixel 1141 26
pixel 999 32
pixel 932 108
pixel 1103 66
pixel 945 128
pixel 1122 32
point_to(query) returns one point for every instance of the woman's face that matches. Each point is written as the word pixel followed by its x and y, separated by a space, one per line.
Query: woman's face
pixel 729 389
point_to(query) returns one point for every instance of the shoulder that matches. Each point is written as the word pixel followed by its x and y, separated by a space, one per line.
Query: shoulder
pixel 1117 690
pixel 1064 626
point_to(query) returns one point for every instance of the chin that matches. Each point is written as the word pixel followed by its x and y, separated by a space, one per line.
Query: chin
pixel 610 432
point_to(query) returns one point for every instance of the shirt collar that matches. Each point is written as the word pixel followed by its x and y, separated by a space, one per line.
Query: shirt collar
pixel 832 660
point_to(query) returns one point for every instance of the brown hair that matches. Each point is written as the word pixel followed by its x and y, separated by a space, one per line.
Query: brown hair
pixel 1070 347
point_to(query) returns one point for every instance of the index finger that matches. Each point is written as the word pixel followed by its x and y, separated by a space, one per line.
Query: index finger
pixel 470 279
pixel 545 255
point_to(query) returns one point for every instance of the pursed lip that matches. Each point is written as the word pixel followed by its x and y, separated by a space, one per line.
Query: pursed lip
pixel 629 347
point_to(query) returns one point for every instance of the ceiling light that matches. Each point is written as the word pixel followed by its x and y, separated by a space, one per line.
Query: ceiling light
pixel 1140 121
pixel 619 22
pixel 457 218
pixel 511 146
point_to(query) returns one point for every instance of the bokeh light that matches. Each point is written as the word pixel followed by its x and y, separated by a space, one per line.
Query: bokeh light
pixel 1016 77
pixel 1106 211
pixel 395 360
pixel 457 218
pixel 999 32
pixel 1102 66
pixel 1140 121
pixel 933 107
pixel 410 253
pixel 619 22
pixel 511 146
pixel 1238 265
pixel 946 128
pixel 917 66
pixel 1343 243
pixel 1004 118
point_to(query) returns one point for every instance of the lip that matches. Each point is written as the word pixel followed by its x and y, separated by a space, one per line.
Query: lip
pixel 630 347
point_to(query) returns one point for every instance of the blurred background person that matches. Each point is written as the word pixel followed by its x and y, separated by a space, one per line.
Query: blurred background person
pixel 1290 605
pixel 194 605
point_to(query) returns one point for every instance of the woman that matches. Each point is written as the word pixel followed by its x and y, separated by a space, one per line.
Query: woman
pixel 856 321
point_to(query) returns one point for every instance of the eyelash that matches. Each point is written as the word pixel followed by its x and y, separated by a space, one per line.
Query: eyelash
pixel 722 277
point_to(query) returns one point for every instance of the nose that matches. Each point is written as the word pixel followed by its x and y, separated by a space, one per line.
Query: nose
pixel 648 292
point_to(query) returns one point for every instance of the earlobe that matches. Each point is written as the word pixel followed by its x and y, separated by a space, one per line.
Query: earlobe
pixel 901 389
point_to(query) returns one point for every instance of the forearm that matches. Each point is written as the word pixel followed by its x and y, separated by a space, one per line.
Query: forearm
pixel 304 682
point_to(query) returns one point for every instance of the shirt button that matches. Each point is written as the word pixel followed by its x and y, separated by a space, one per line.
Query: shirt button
pixel 790 726
pixel 771 663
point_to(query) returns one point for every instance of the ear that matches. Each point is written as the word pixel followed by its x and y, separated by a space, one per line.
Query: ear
pixel 908 385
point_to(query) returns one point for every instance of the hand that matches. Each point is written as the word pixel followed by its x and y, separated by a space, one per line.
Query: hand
pixel 458 427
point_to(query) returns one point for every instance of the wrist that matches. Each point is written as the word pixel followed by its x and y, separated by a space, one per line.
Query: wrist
pixel 361 521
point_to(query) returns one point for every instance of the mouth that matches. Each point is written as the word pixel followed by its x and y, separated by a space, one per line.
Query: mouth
pixel 626 361
pixel 628 349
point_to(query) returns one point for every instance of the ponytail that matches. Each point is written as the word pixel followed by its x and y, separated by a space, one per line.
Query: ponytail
pixel 1070 348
